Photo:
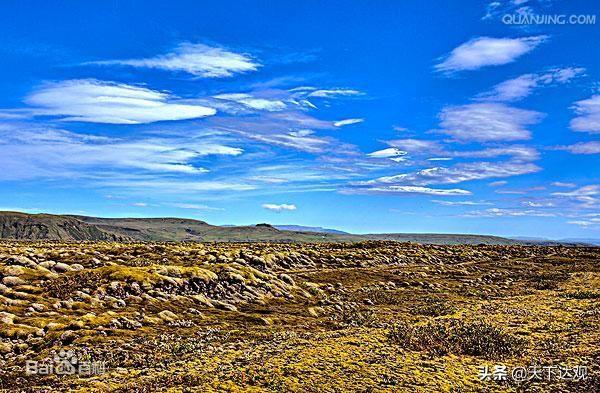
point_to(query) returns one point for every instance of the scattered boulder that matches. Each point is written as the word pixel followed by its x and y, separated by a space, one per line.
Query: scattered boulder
pixel 167 316
pixel 223 305
pixel 61 267
pixel 11 281
pixel 5 347
pixel 68 337
pixel 13 270
pixel 7 318
pixel 287 279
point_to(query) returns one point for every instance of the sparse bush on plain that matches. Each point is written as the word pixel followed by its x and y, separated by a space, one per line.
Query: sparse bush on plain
pixel 454 336
pixel 350 315
pixel 434 307
pixel 583 294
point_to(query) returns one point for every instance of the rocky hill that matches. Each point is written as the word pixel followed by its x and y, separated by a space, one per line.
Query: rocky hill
pixel 22 226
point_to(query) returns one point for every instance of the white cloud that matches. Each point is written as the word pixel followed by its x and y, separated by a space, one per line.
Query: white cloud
pixel 196 59
pixel 418 182
pixel 333 93
pixel 347 122
pixel 498 183
pixel 586 195
pixel 140 204
pixel 522 86
pixel 416 146
pixel 195 206
pixel 520 153
pixel 588 119
pixel 460 203
pixel 396 189
pixel 173 186
pixel 440 159
pixel 537 204
pixel 592 147
pixel 279 208
pixel 586 223
pixel 307 143
pixel 90 100
pixel 457 174
pixel 498 212
pixel 289 129
pixel 561 184
pixel 37 152
pixel 257 103
pixel 487 122
pixel 387 153
pixel 512 89
pixel 486 51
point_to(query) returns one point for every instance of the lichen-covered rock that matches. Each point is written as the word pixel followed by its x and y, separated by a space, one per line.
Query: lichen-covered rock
pixel 11 281
pixel 167 316
pixel 7 318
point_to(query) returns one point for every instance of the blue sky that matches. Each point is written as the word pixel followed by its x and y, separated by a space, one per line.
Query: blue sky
pixel 376 116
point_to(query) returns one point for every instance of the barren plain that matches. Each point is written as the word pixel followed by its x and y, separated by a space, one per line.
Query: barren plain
pixel 277 317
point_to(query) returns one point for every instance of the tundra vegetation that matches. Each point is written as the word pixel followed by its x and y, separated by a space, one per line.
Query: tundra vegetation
pixel 327 317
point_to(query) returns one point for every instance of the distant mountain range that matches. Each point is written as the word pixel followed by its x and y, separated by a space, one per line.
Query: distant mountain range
pixel 23 226
pixel 300 228
pixel 590 241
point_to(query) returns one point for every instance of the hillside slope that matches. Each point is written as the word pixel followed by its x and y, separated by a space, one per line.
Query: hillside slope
pixel 22 226
pixel 178 229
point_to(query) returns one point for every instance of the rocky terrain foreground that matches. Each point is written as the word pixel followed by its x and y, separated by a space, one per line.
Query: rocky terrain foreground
pixel 328 317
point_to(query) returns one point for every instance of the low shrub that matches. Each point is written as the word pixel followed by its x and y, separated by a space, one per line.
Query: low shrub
pixel 583 294
pixel 434 307
pixel 454 336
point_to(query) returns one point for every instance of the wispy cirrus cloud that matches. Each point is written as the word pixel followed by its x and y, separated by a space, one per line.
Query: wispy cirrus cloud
pixel 279 208
pixel 91 100
pixel 196 206
pixel 254 102
pixel 32 152
pixel 563 184
pixel 522 86
pixel 334 93
pixel 516 152
pixel 460 203
pixel 347 122
pixel 500 212
pixel 172 186
pixel 488 51
pixel 592 147
pixel 391 152
pixel 588 115
pixel 587 220
pixel 417 146
pixel 487 122
pixel 196 59
pixel 457 174
pixel 408 190
pixel 290 129
pixel 586 195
